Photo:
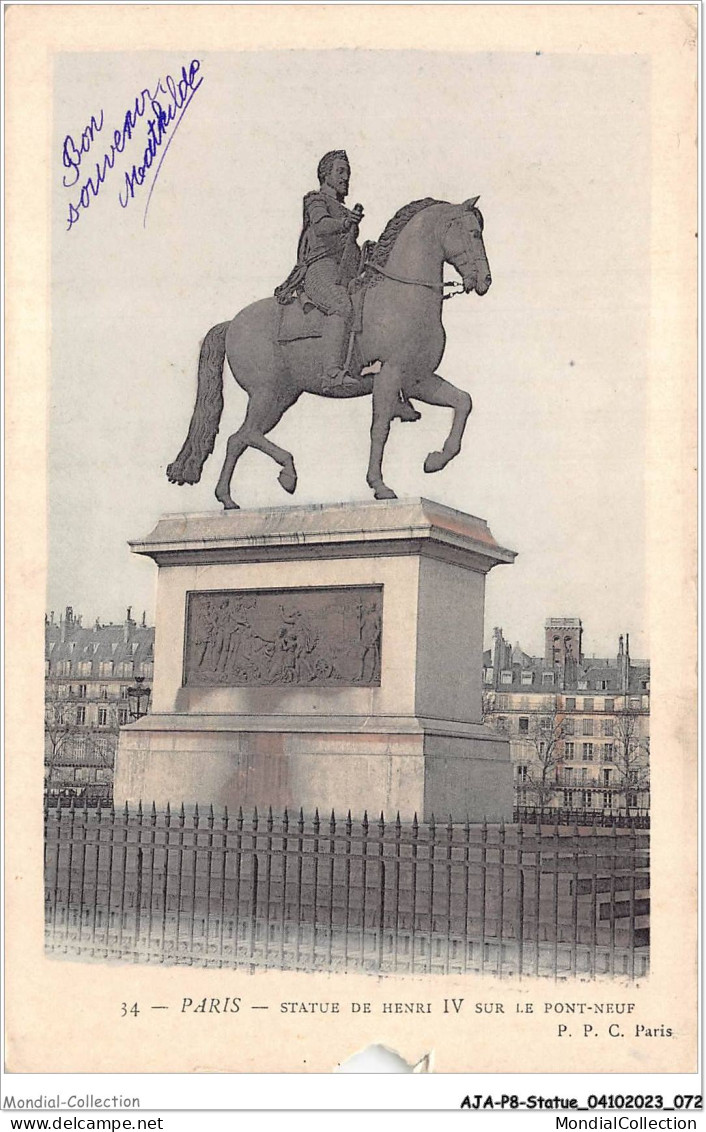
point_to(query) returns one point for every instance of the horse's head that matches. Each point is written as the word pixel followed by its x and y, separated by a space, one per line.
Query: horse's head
pixel 462 243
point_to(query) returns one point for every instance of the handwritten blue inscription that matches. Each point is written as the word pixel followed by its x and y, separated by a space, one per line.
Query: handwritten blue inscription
pixel 160 110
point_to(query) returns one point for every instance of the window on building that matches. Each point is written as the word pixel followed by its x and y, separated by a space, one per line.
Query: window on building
pixel 587 727
pixel 608 750
pixel 59 715
pixel 607 726
pixel 80 714
pixel 584 774
pixel 632 799
pixel 545 724
pixel 634 704
pixel 63 668
pixel 502 723
pixel 587 703
pixel 646 702
pixel 609 705
pixel 522 772
pixel 527 676
pixel 645 685
pixel 587 799
pixel 569 799
pixel 547 677
pixel 488 676
pixel 126 668
pixel 524 725
pixel 569 726
pixel 587 752
pixel 570 703
pixel 124 692
pixel 582 684
pixel 506 677
pixel 82 691
pixel 147 669
pixel 542 746
pixel 105 668
pixel 603 684
pixel 567 775
pixel 122 716
pixel 102 716
pixel 606 776
pixel 85 667
pixel 569 750
pixel 103 692
pixel 607 801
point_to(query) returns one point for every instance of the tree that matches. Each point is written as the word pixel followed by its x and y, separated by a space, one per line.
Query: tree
pixel 63 733
pixel 632 756
pixel 545 744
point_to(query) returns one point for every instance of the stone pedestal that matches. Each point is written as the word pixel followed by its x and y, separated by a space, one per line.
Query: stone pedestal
pixel 320 657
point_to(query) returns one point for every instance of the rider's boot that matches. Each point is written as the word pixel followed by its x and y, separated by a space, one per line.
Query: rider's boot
pixel 405 411
pixel 336 380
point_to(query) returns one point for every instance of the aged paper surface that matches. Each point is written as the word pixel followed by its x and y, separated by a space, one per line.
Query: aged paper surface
pixel 106 312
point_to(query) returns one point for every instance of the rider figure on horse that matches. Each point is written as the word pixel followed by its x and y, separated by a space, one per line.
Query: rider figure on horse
pixel 328 259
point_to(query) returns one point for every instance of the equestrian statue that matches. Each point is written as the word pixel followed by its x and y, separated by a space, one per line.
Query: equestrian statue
pixel 347 322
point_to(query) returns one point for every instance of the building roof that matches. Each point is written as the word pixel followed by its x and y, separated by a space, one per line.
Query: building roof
pixel 69 640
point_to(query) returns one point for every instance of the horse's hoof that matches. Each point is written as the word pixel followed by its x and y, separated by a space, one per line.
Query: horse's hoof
pixel 227 503
pixel 384 492
pixel 288 480
pixel 435 461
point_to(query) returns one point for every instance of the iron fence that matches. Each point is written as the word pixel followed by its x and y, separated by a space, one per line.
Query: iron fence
pixel 297 893
pixel 555 815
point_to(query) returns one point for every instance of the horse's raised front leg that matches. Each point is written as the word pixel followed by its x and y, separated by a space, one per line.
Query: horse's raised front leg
pixel 262 416
pixel 434 390
pixel 386 392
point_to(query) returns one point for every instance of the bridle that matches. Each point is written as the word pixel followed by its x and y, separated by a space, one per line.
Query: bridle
pixel 438 287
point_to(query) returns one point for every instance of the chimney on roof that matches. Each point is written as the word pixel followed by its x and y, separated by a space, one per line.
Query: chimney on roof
pixel 67 623
pixel 129 625
pixel 144 618
pixel 51 615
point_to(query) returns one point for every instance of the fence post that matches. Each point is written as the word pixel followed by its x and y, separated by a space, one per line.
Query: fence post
pixel 381 907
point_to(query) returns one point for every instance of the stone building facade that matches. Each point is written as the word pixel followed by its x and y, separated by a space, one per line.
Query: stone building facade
pixel 88 672
pixel 578 725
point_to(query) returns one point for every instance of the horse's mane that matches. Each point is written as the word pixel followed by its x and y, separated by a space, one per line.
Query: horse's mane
pixel 394 226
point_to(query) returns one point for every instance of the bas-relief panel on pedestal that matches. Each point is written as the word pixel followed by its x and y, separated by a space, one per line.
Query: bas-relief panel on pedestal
pixel 329 637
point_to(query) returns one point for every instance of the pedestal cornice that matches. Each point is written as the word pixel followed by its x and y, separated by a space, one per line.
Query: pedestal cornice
pixel 341 530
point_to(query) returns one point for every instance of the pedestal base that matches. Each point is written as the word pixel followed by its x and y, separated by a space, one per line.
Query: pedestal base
pixel 409 767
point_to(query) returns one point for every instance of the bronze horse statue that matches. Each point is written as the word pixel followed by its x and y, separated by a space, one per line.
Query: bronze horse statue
pixel 401 331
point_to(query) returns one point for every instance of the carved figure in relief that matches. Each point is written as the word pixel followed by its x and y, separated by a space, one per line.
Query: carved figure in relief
pixel 370 631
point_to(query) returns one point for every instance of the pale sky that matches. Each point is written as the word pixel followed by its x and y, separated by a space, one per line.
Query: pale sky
pixel 554 356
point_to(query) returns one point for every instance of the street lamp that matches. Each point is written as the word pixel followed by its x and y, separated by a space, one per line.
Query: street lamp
pixel 138 698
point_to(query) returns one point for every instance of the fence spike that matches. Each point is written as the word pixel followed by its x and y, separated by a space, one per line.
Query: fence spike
pixel 415 824
pixel 316 823
pixel 349 824
pixel 225 819
pixel 195 818
pixel 432 825
pixel 398 824
pixel 127 810
pixel 182 815
pixel 240 813
pixel 255 818
pixel 269 818
pixel 153 811
pixel 139 810
pixel 332 823
pixel 365 820
pixel 168 814
pixel 210 816
pixel 285 815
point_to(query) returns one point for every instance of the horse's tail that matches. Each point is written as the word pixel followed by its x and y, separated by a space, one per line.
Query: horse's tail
pixel 206 416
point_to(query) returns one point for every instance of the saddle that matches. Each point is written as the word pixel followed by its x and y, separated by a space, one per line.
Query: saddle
pixel 300 318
